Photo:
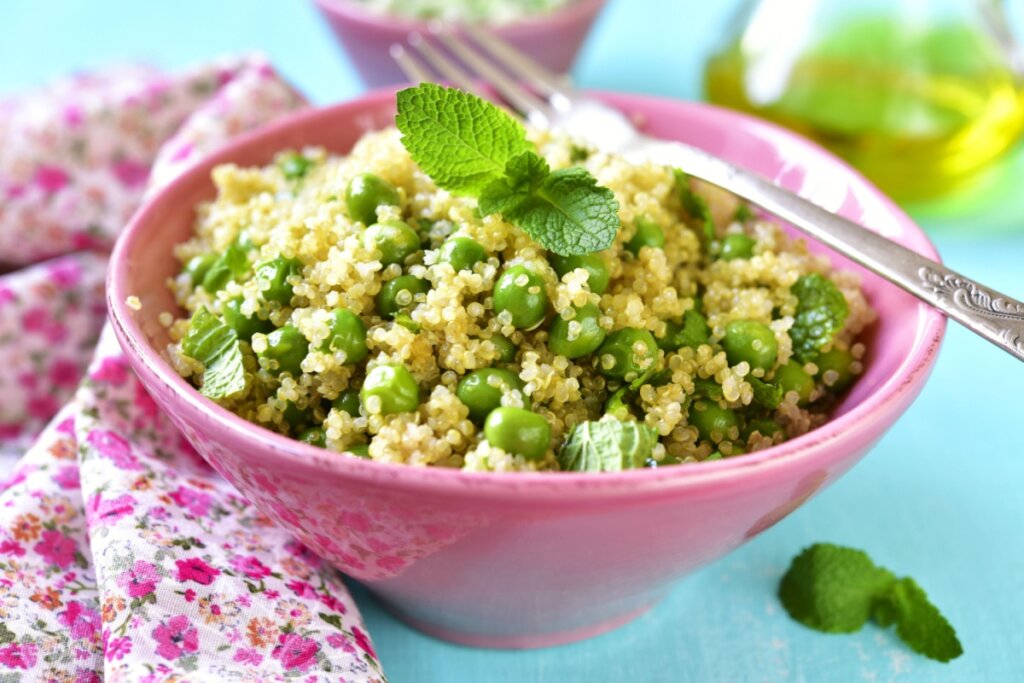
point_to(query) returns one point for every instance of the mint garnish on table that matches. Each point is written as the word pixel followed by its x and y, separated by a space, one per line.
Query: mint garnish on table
pixel 469 146
pixel 836 590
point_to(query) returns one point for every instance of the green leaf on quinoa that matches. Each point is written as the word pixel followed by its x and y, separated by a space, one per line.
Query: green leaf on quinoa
pixel 696 207
pixel 607 445
pixel 766 394
pixel 469 146
pixel 461 141
pixel 215 345
pixel 835 589
pixel 567 212
pixel 524 175
pixel 821 312
pixel 708 388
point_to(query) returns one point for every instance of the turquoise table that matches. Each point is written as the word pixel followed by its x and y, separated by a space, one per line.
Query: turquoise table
pixel 941 498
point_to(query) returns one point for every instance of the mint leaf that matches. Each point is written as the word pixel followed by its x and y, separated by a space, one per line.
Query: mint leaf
pixel 215 345
pixel 570 214
pixel 831 588
pixel 607 445
pixel 696 207
pixel 524 175
pixel 461 141
pixel 820 313
pixel 918 622
pixel 766 395
pixel 836 590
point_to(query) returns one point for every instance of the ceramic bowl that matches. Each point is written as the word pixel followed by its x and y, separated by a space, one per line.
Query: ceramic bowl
pixel 552 39
pixel 521 559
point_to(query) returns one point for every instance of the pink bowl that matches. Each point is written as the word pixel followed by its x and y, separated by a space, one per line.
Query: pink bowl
pixel 552 39
pixel 524 560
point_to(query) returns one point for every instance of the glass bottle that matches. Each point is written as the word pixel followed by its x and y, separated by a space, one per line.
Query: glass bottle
pixel 917 94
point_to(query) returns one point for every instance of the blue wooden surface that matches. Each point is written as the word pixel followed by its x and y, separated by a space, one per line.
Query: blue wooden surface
pixel 940 498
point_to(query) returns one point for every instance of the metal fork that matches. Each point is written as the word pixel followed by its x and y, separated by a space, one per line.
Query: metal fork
pixel 549 101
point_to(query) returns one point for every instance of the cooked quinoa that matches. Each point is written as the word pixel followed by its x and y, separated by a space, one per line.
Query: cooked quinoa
pixel 449 328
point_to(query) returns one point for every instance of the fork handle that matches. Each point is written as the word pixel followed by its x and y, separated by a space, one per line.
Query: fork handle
pixel 994 316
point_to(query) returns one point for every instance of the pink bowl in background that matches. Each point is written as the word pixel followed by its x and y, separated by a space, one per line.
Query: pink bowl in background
pixel 520 559
pixel 553 39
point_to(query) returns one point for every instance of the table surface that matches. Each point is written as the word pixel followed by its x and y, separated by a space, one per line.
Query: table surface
pixel 939 498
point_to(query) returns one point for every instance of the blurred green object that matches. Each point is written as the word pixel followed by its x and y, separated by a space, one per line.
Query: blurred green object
pixel 920 95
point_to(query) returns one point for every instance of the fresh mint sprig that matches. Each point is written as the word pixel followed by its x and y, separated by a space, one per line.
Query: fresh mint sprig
pixel 469 146
pixel 821 312
pixel 836 590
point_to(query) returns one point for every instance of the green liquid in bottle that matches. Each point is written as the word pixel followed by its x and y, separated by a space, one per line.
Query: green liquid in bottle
pixel 917 112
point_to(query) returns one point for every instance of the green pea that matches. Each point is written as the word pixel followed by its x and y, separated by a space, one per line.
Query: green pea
pixel 712 421
pixel 314 436
pixel 764 427
pixel 348 335
pixel 294 416
pixel 198 266
pixel 750 341
pixel 598 274
pixel 295 166
pixel 648 234
pixel 272 278
pixel 580 336
pixel 506 348
pixel 286 349
pixel 734 448
pixel 395 241
pixel 462 253
pixel 347 402
pixel 521 292
pixel 715 455
pixel 793 377
pixel 837 361
pixel 482 390
pixel 361 450
pixel 518 431
pixel 626 354
pixel 390 389
pixel 243 325
pixel 365 193
pixel 737 245
pixel 398 294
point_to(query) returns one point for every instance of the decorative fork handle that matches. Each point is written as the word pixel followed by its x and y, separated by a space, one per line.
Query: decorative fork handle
pixel 992 315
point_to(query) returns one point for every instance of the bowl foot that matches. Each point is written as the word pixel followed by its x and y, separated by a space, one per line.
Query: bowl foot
pixel 517 641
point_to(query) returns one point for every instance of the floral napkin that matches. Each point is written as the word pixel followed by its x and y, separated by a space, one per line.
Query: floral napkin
pixel 123 556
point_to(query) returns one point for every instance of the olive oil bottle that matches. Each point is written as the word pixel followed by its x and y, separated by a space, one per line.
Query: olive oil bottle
pixel 918 103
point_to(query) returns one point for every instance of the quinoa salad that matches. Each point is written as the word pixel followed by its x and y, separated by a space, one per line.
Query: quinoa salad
pixel 352 303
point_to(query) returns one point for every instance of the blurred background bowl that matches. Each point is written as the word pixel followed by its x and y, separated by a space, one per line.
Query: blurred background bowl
pixel 553 38
pixel 527 559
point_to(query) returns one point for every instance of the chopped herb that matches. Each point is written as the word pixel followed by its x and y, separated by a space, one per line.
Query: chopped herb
pixel 215 345
pixel 766 395
pixel 607 445
pixel 470 146
pixel 708 388
pixel 836 590
pixel 696 207
pixel 743 213
pixel 578 153
pixel 820 313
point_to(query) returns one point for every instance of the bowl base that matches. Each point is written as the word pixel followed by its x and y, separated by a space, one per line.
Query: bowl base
pixel 517 641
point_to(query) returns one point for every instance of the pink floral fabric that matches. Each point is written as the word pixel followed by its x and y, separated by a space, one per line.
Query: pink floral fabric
pixel 123 556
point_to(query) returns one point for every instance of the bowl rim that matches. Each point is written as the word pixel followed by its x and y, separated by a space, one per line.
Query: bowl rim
pixel 353 11
pixel 908 377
